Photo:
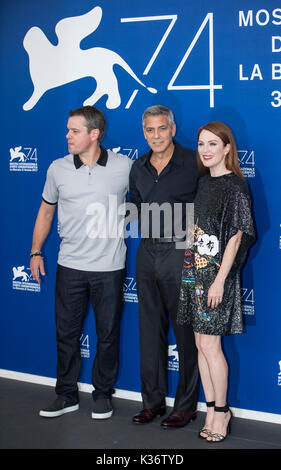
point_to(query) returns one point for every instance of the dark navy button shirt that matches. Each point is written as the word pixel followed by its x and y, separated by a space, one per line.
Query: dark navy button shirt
pixel 174 187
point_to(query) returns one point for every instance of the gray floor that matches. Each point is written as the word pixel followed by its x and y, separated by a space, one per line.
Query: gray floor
pixel 23 428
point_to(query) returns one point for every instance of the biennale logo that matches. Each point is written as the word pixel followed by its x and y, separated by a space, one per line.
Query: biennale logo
pixel 23 159
pixel 85 346
pixel 173 357
pixel 130 290
pixel 17 154
pixel 248 301
pixel 52 66
pixel 23 280
pixel 247 163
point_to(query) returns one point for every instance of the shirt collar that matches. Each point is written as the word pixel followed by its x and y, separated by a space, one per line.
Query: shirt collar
pixel 102 160
pixel 175 159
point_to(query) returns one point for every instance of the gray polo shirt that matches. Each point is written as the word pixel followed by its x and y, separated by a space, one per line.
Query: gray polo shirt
pixel 91 210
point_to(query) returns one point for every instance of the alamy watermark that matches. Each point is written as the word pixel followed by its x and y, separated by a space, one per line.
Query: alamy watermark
pixel 114 220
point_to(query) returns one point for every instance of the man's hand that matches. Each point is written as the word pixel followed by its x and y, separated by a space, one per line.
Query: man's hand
pixel 37 267
pixel 40 233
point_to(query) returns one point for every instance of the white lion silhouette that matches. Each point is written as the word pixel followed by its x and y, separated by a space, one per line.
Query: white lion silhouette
pixel 15 153
pixel 52 66
pixel 172 352
pixel 19 272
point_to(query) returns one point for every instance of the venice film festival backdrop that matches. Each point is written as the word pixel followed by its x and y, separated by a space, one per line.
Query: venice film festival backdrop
pixel 208 60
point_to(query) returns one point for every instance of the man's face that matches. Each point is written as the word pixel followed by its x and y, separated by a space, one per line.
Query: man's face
pixel 158 133
pixel 78 137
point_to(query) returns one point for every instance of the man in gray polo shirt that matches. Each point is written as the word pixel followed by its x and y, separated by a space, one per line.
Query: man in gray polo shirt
pixel 88 187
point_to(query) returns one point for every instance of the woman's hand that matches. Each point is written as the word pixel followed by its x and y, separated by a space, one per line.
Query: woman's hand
pixel 215 293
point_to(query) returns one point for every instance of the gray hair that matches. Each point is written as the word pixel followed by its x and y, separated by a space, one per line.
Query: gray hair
pixel 94 118
pixel 158 110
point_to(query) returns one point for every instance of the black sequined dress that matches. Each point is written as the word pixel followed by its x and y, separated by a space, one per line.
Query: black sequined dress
pixel 221 207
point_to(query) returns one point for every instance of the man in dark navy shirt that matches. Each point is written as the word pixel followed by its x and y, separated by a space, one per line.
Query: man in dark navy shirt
pixel 162 183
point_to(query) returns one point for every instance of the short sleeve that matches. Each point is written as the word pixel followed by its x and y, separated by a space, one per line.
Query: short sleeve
pixel 50 192
pixel 238 216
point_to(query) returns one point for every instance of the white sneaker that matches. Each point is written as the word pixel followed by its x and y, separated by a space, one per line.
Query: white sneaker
pixel 102 409
pixel 58 408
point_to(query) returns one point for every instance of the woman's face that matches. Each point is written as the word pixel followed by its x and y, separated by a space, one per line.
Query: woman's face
pixel 212 152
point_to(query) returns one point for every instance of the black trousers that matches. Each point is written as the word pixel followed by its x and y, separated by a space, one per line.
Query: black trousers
pixel 159 269
pixel 74 288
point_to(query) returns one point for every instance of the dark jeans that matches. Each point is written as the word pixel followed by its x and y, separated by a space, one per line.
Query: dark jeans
pixel 159 269
pixel 74 288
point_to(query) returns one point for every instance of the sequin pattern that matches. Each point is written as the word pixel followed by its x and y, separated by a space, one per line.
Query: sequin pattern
pixel 221 207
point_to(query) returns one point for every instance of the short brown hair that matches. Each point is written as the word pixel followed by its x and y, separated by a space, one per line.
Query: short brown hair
pixel 94 118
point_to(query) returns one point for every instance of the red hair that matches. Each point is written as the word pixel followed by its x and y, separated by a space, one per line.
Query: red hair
pixel 222 131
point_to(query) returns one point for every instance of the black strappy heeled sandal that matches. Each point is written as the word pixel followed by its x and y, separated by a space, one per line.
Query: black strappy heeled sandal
pixel 220 437
pixel 204 430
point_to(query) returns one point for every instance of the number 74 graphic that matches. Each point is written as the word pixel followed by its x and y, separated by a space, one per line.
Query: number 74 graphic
pixel 207 20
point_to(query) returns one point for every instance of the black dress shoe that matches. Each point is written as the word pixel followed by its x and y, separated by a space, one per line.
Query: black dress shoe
pixel 148 414
pixel 178 419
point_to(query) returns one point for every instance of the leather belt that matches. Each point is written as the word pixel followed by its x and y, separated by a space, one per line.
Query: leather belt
pixel 167 240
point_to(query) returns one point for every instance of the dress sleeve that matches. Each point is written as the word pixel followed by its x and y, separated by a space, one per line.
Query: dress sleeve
pixel 238 216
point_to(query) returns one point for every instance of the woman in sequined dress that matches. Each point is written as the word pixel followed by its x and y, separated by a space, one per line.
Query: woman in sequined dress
pixel 210 298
